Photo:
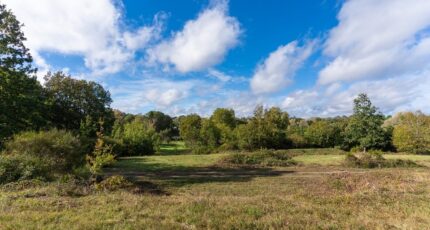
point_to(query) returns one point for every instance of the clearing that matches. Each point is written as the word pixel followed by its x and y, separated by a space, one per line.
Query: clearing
pixel 193 192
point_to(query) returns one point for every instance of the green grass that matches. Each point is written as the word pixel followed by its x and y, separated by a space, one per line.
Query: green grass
pixel 173 147
pixel 193 193
pixel 167 162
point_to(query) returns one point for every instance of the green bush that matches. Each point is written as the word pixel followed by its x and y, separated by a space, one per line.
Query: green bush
pixel 375 160
pixel 101 156
pixel 60 148
pixel 23 167
pixel 113 183
pixel 260 158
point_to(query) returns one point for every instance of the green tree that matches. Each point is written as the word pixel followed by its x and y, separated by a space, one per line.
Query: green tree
pixel 266 129
pixel 139 138
pixel 159 120
pixel 225 121
pixel 210 135
pixel 364 129
pixel 189 129
pixel 21 96
pixel 73 101
pixel 412 133
pixel 224 117
pixel 323 133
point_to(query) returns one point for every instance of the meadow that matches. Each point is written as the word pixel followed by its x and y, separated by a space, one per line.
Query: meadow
pixel 185 191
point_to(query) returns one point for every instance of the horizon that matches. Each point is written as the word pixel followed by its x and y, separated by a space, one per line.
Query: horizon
pixel 310 58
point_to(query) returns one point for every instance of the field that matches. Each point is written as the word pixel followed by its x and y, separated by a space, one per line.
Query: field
pixel 194 192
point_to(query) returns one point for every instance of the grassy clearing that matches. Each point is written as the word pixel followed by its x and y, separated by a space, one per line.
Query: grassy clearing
pixel 196 195
pixel 172 148
pixel 168 162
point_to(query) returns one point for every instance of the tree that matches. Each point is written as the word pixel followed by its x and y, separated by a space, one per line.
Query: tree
pixel 412 133
pixel 209 135
pixel 159 120
pixel 21 96
pixel 139 138
pixel 224 117
pixel 266 129
pixel 324 133
pixel 364 129
pixel 189 129
pixel 73 101
pixel 162 123
pixel 225 121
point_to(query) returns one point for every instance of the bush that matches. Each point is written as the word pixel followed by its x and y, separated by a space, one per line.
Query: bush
pixel 101 156
pixel 375 160
pixel 60 148
pixel 23 167
pixel 113 183
pixel 261 158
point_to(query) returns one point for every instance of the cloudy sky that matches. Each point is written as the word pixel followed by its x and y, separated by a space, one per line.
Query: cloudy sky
pixel 309 57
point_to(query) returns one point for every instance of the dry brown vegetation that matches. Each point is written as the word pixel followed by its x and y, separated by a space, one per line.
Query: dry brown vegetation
pixel 199 196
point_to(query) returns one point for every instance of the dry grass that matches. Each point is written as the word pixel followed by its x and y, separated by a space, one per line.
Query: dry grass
pixel 204 197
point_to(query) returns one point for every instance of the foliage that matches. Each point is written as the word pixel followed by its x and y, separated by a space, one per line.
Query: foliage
pixel 225 121
pixel 189 129
pixel 224 117
pixel 375 160
pixel 159 120
pixel 21 96
pixel 412 133
pixel 365 126
pixel 260 158
pixel 76 103
pixel 320 134
pixel 209 135
pixel 113 183
pixel 139 138
pixel 102 155
pixel 24 167
pixel 266 129
pixel 60 147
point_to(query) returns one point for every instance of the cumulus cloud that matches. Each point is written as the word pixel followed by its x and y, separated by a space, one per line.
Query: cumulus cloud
pixel 135 96
pixel 278 70
pixel 91 29
pixel 202 43
pixel 378 39
pixel 405 93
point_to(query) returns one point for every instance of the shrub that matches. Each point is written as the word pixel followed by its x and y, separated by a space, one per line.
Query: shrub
pixel 60 148
pixel 23 167
pixel 375 160
pixel 113 183
pixel 261 158
pixel 101 157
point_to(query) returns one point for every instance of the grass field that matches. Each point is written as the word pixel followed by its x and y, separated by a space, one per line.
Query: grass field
pixel 193 192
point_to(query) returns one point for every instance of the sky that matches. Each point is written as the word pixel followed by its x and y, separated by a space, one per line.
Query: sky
pixel 311 58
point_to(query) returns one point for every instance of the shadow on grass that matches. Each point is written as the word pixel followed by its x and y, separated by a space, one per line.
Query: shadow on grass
pixel 177 176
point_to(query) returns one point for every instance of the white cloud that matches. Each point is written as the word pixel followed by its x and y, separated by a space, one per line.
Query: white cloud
pixel 219 75
pixel 156 93
pixel 202 43
pixel 378 39
pixel 405 93
pixel 278 70
pixel 91 29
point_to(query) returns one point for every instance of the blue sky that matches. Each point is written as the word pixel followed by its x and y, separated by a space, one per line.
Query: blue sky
pixel 309 57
